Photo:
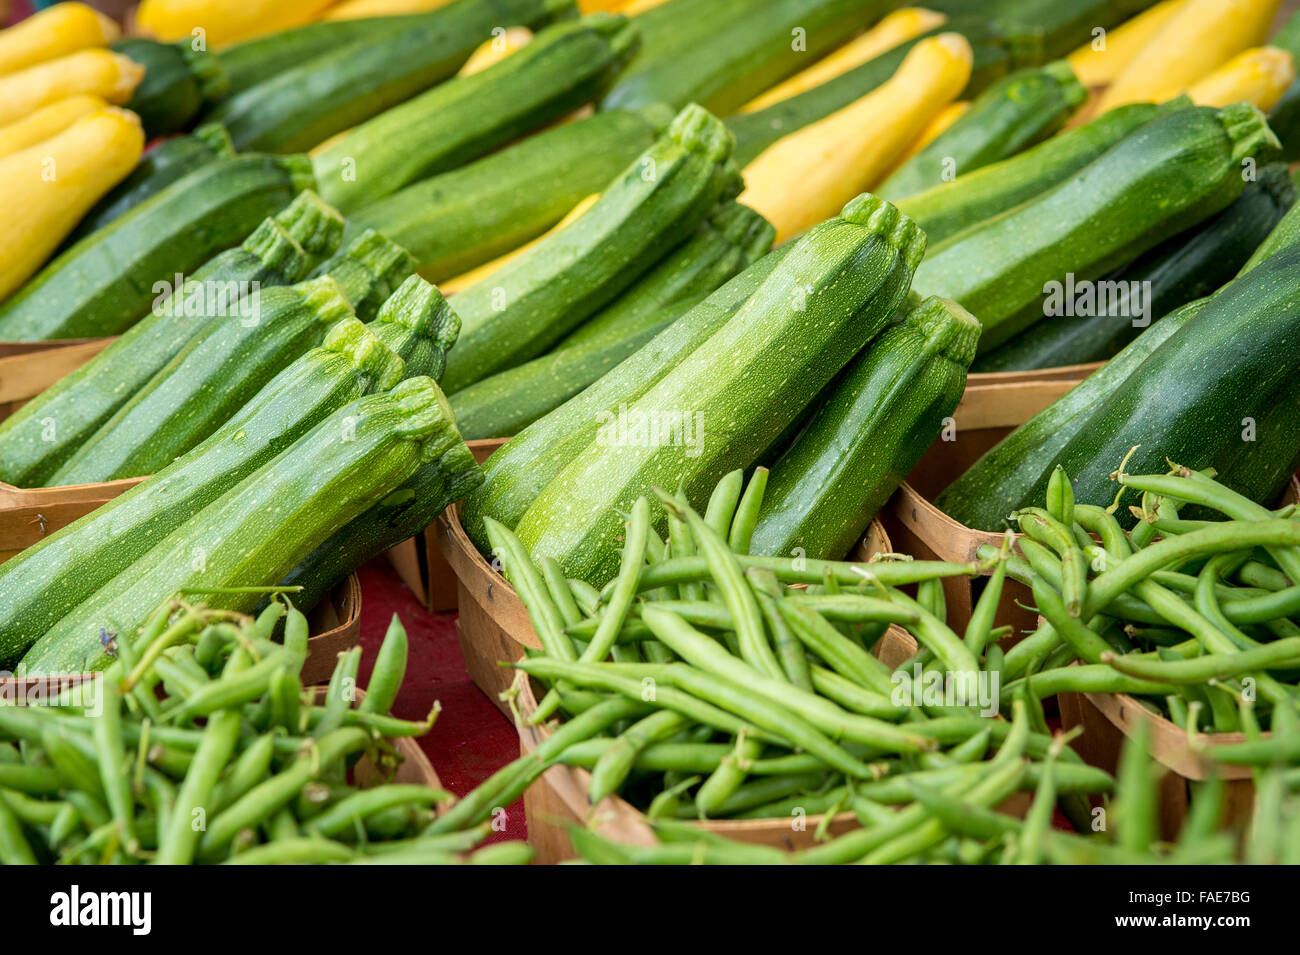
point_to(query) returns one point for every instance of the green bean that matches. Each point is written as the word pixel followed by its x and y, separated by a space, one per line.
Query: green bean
pixel 34 812
pixel 746 517
pixel 1217 666
pixel 1262 752
pixel 561 593
pixel 612 769
pixel 1135 808
pixel 285 693
pixel 113 771
pixel 707 655
pixel 855 608
pixel 980 626
pixel 1038 821
pixel 449 842
pixel 177 843
pixel 234 690
pixel 1205 812
pixel 1060 497
pixel 70 761
pixel 929 594
pixel 14 848
pixel 761 792
pixel 340 693
pixel 263 800
pixel 723 501
pixel 682 545
pixel 656 757
pixel 736 594
pixel 338 817
pixel 301 851
pixel 712 798
pixel 853 697
pixel 1041 526
pixel 841 654
pixel 547 621
pixel 91 809
pixel 64 827
pixel 248 769
pixel 511 852
pixel 789 649
pixel 31 780
pixel 1084 641
pixel 389 671
pixel 152 646
pixel 176 681
pixel 1090 678
pixel 679 570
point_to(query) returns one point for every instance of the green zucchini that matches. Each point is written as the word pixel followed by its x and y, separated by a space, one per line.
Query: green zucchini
pixel 1169 175
pixel 369 269
pixel 157 169
pixel 730 241
pixel 743 54
pixel 756 131
pixel 1014 113
pixel 516 473
pixel 215 375
pixel 258 530
pixel 468 116
pixel 724 404
pixel 251 62
pixel 419 326
pixel 311 101
pixel 42 583
pixel 179 81
pixel 882 414
pixel 945 210
pixel 1285 235
pixel 1180 270
pixel 1004 478
pixel 459 219
pixel 502 404
pixel 1218 393
pixel 1285 115
pixel 37 438
pixel 104 284
pixel 1048 29
pixel 533 301
pixel 401 515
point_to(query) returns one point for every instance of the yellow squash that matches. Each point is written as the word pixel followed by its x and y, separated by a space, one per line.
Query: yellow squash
pixel 1101 59
pixel 640 6
pixel 1258 76
pixel 46 122
pixel 46 189
pixel 898 27
pixel 1200 37
pixel 936 128
pixel 356 9
pixel 808 176
pixel 476 275
pixel 510 40
pixel 110 76
pixel 221 21
pixel 62 29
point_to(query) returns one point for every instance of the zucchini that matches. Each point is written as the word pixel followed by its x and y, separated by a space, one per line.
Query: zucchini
pixel 258 530
pixel 104 284
pixel 42 434
pixel 530 303
pixel 516 473
pixel 834 291
pixel 437 484
pixel 1181 270
pixel 730 241
pixel 1216 394
pixel 757 130
pixel 179 81
pixel 1014 113
pixel 502 404
pixel 883 413
pixel 565 66
pixel 42 583
pixel 369 269
pixel 1285 235
pixel 978 196
pixel 1004 478
pixel 313 100
pixel 215 375
pixel 1285 115
pixel 157 169
pixel 459 219
pixel 419 326
pixel 743 54
pixel 1047 29
pixel 253 61
pixel 1166 177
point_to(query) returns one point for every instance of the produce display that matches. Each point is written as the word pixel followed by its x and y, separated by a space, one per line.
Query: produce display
pixel 849 432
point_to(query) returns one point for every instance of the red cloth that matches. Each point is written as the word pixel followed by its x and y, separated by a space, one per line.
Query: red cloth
pixel 471 739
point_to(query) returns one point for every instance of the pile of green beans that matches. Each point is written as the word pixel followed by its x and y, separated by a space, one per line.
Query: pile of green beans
pixel 199 744
pixel 950 824
pixel 1198 619
pixel 701 685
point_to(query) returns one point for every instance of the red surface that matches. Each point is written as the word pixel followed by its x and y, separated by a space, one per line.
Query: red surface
pixel 471 738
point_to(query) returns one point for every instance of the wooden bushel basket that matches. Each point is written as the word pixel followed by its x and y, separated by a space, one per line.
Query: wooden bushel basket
pixel 28 368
